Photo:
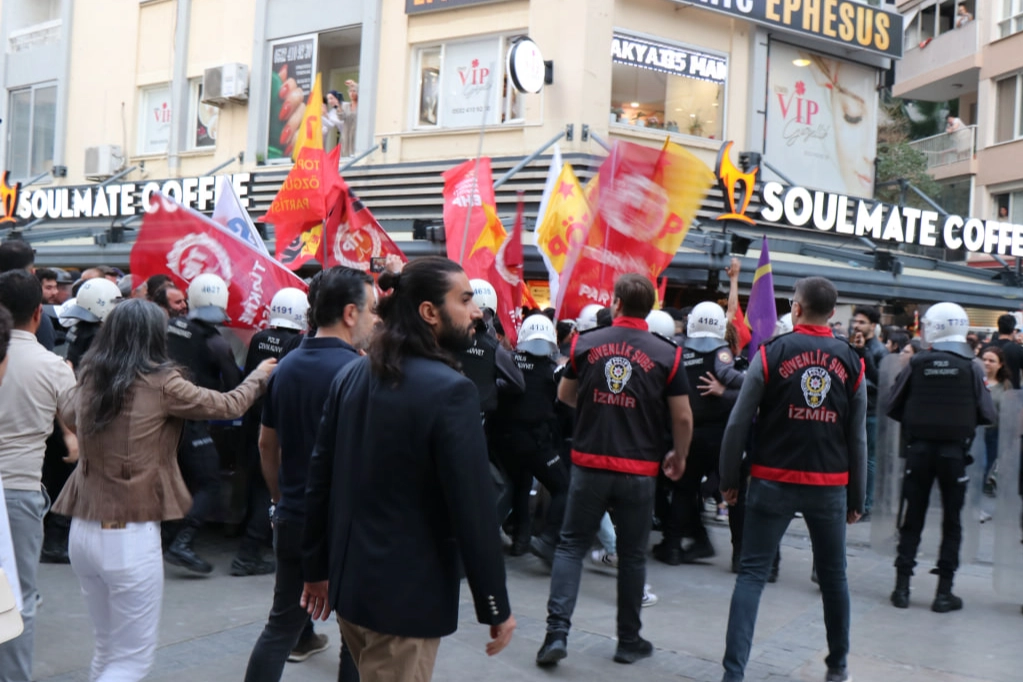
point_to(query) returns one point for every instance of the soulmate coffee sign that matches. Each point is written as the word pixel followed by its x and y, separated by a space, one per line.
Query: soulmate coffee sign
pixel 832 212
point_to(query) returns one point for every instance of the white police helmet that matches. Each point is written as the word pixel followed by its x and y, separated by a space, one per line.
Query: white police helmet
pixel 484 295
pixel 661 323
pixel 207 299
pixel 289 308
pixel 588 317
pixel 537 336
pixel 705 330
pixel 945 326
pixel 784 325
pixel 96 298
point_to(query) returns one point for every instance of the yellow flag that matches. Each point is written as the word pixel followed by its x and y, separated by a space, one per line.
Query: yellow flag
pixel 492 235
pixel 311 134
pixel 685 179
pixel 566 220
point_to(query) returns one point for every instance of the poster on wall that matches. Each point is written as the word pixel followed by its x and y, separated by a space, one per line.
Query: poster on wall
pixel 292 67
pixel 470 77
pixel 821 120
pixel 154 133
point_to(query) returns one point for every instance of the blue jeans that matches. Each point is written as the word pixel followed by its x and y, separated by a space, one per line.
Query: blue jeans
pixel 25 510
pixel 591 493
pixel 770 507
pixel 868 503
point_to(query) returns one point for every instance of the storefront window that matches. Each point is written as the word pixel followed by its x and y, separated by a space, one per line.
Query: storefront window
pixel 667 86
pixel 464 85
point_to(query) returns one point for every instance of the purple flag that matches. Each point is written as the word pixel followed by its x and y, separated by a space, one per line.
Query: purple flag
pixel 761 314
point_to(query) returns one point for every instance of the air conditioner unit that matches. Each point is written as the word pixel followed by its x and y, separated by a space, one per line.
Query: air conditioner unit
pixel 221 84
pixel 103 161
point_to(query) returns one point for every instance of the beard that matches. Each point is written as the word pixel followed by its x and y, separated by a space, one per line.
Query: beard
pixel 452 338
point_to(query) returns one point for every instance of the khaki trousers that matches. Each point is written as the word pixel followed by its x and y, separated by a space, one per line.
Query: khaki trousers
pixel 388 658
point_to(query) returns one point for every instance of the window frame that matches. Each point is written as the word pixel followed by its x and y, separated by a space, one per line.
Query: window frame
pixel 32 90
pixel 507 39
pixel 726 56
pixel 1015 17
pixel 1017 109
pixel 143 90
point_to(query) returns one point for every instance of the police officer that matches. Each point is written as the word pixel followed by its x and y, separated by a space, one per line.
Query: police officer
pixel 705 355
pixel 195 343
pixel 96 298
pixel 940 398
pixel 522 436
pixel 288 313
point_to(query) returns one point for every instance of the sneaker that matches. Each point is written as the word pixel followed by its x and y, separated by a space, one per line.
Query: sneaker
pixel 307 647
pixel 838 676
pixel 555 648
pixel 722 512
pixel 649 598
pixel 984 517
pixel 253 565
pixel 601 559
pixel 630 652
pixel 697 552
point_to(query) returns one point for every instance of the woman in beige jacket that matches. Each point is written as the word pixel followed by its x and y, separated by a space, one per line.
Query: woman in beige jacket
pixel 128 411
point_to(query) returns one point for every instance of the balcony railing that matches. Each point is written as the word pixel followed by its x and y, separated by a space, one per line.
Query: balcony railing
pixel 948 148
pixel 45 33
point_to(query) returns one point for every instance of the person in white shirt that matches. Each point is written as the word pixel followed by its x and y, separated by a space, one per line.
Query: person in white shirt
pixel 34 381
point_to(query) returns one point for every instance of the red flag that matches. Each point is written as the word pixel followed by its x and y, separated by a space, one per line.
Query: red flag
pixel 742 330
pixel 506 277
pixel 645 200
pixel 354 237
pixel 184 243
pixel 470 192
pixel 304 200
pixel 305 246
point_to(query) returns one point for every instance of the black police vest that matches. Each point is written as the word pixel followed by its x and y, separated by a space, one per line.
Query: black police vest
pixel 802 430
pixel 707 409
pixel 79 340
pixel 535 405
pixel 941 404
pixel 186 345
pixel 479 363
pixel 266 344
pixel 622 411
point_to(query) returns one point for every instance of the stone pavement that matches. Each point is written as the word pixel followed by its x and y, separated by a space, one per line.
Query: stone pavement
pixel 210 624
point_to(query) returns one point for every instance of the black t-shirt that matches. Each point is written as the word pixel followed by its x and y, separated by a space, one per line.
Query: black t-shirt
pixel 293 406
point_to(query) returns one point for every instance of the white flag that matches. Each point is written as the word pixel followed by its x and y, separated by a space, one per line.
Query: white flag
pixel 230 213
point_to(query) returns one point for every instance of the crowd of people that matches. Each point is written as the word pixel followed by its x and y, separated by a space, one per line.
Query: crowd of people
pixel 393 442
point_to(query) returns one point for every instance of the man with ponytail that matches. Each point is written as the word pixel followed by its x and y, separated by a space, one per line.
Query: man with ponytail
pixel 399 495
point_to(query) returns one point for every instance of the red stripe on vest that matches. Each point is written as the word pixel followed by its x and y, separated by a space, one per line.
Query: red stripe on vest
pixel 799 477
pixel 619 464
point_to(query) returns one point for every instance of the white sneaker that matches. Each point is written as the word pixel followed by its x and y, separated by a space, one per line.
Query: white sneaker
pixel 601 559
pixel 649 598
pixel 984 516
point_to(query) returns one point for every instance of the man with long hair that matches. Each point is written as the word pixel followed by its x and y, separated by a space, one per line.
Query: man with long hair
pixel 399 498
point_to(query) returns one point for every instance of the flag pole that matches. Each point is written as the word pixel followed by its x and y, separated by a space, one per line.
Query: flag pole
pixel 475 172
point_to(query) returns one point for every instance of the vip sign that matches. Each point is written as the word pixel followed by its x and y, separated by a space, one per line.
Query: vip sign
pixel 829 212
pixel 121 200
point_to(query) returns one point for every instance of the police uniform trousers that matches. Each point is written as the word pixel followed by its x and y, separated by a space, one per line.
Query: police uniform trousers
pixel 685 518
pixel 527 453
pixel 927 461
pixel 200 467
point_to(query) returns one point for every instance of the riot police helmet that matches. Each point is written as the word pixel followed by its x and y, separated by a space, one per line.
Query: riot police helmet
pixel 588 317
pixel 537 336
pixel 96 298
pixel 660 322
pixel 705 330
pixel 784 325
pixel 207 299
pixel 289 309
pixel 484 295
pixel 945 326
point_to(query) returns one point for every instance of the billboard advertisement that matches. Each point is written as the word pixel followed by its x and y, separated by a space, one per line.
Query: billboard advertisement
pixel 292 69
pixel 821 120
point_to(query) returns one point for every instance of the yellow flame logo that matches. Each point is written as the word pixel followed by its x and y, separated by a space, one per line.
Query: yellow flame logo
pixel 9 198
pixel 728 177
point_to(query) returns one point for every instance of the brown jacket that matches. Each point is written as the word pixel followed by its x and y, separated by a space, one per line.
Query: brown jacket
pixel 128 472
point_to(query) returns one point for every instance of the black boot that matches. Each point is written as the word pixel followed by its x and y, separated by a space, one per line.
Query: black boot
pixel 900 595
pixel 699 550
pixel 55 538
pixel 668 552
pixel 181 553
pixel 944 600
pixel 250 561
pixel 555 648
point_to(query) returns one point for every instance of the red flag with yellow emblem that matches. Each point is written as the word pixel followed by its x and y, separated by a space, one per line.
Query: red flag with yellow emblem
pixel 470 217
pixel 354 237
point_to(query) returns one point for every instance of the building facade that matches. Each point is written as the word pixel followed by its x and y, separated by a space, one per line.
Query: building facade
pixel 420 85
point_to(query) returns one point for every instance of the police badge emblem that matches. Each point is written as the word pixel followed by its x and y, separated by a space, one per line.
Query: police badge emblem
pixel 617 371
pixel 816 382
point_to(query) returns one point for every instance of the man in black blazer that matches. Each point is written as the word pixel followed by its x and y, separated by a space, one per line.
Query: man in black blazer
pixel 399 494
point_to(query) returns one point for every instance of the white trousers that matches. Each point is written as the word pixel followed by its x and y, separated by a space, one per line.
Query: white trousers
pixel 121 573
